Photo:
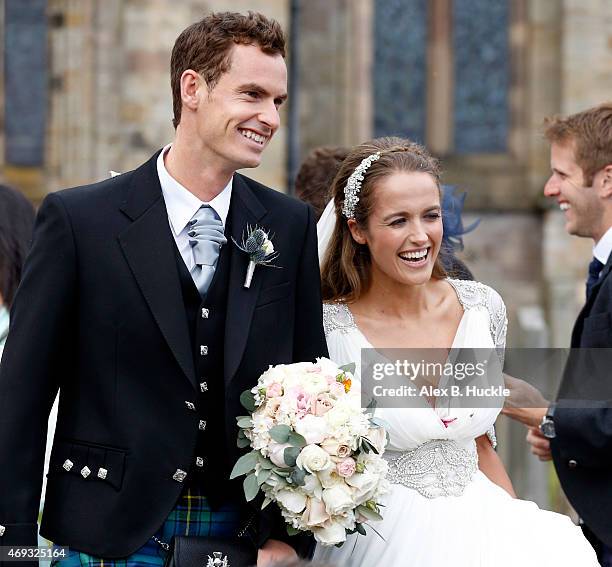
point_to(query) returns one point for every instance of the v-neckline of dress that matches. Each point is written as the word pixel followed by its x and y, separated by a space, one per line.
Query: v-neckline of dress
pixel 455 336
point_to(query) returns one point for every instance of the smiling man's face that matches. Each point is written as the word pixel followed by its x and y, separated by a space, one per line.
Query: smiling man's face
pixel 581 205
pixel 239 116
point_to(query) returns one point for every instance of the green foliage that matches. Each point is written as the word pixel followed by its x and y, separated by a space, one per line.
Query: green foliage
pixel 290 454
pixel 297 477
pixel 244 421
pixel 350 367
pixel 296 440
pixel 251 487
pixel 247 399
pixel 368 513
pixel 280 433
pixel 263 475
pixel 245 464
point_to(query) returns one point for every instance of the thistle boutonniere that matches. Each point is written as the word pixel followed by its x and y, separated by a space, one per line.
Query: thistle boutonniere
pixel 257 245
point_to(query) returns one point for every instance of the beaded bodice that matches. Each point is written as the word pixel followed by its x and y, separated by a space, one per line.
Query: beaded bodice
pixel 440 467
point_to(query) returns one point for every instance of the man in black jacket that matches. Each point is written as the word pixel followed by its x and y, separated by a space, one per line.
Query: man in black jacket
pixel 135 305
pixel 579 439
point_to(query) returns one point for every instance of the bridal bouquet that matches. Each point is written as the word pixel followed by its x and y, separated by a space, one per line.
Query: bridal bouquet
pixel 315 451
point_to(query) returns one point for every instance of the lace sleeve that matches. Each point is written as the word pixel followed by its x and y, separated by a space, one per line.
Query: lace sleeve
pixel 499 328
pixel 337 316
pixel 499 322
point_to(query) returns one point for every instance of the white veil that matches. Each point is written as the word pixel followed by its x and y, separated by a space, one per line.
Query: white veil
pixel 325 229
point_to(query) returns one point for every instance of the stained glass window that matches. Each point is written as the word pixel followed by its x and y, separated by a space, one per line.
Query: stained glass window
pixel 482 74
pixel 399 68
pixel 25 80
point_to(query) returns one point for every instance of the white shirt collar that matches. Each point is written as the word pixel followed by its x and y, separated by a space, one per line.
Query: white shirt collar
pixel 602 249
pixel 182 204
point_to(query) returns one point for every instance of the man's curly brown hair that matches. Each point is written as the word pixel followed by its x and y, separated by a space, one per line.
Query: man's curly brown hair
pixel 206 47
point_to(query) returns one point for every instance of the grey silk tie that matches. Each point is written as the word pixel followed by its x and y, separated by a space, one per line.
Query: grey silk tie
pixel 206 238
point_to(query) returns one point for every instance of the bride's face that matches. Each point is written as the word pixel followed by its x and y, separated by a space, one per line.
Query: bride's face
pixel 404 230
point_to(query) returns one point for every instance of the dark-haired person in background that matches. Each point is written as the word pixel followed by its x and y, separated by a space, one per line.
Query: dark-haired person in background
pixel 16 223
pixel 314 178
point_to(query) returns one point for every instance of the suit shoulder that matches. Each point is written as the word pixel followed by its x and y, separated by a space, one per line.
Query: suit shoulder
pixel 105 191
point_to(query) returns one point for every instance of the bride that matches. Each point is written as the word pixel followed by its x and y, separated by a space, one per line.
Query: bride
pixel 384 287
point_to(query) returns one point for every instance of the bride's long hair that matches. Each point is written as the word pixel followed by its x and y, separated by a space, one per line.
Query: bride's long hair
pixel 346 269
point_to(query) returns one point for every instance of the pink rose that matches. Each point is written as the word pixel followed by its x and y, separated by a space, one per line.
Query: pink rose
pixel 322 404
pixel 303 403
pixel 335 448
pixel 274 390
pixel 346 467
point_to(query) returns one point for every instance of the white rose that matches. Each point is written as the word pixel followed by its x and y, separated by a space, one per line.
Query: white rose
pixel 292 500
pixel 364 485
pixel 315 383
pixel 328 367
pixel 346 520
pixel 337 416
pixel 338 499
pixel 276 453
pixel 313 429
pixel 329 477
pixel 331 533
pixel 312 459
pixel 378 437
pixel 312 486
pixel 314 514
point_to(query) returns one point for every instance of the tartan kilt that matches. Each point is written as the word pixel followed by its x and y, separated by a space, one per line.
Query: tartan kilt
pixel 191 516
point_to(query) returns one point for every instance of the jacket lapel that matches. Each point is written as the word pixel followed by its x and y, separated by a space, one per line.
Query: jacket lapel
pixel 586 310
pixel 148 247
pixel 245 210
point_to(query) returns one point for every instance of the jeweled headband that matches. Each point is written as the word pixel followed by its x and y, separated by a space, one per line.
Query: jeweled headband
pixel 353 186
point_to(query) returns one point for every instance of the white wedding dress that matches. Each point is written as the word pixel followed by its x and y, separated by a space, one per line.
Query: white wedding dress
pixel 446 513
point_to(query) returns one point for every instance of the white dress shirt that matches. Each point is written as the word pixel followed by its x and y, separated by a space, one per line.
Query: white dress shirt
pixel 181 205
pixel 602 249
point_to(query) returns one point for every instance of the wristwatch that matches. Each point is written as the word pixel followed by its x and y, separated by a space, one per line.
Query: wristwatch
pixel 547 427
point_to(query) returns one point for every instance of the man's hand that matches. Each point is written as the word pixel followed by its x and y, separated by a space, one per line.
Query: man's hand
pixel 525 402
pixel 275 551
pixel 540 446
